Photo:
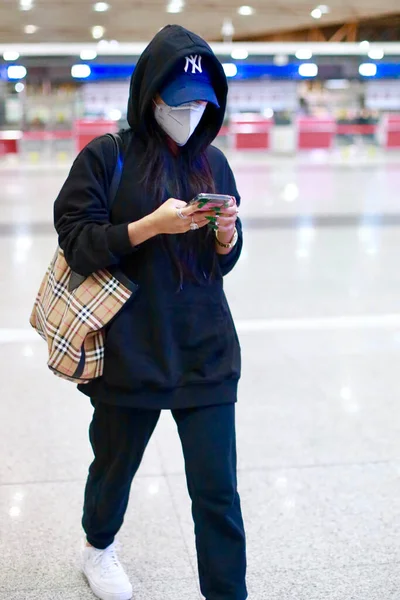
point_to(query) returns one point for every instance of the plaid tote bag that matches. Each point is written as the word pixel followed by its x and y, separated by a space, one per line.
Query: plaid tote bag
pixel 71 311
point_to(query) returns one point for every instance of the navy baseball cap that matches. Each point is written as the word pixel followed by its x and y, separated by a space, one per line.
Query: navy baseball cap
pixel 188 82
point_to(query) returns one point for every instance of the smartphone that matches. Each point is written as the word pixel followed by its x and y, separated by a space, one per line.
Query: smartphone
pixel 211 200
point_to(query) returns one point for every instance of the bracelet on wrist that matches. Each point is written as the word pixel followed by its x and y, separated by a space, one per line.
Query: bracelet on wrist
pixel 230 244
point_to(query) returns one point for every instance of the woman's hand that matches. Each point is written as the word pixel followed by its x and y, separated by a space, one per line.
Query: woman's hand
pixel 226 221
pixel 166 220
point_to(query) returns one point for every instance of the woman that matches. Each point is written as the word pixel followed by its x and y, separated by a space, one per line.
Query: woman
pixel 174 345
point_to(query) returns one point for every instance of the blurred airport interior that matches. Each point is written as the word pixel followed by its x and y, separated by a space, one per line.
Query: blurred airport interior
pixel 312 132
pixel 324 101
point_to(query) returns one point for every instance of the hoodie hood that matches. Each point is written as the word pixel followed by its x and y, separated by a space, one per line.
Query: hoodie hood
pixel 168 49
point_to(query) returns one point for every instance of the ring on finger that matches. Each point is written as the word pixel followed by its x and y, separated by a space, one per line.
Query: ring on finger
pixel 180 213
pixel 193 225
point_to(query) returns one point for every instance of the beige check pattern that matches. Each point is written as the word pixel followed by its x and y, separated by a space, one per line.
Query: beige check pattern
pixel 72 323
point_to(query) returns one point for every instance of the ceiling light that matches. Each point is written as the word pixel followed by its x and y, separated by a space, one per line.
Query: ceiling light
pixel 98 31
pixel 364 46
pixel 304 54
pixel 19 87
pixel 101 7
pixel 25 4
pixel 324 9
pixel 246 11
pixel 115 114
pixel 29 29
pixel 88 54
pixel 308 70
pixel 281 60
pixel 367 69
pixel 376 53
pixel 80 71
pixel 230 69
pixel 16 72
pixel 239 54
pixel 175 6
pixel 316 13
pixel 11 55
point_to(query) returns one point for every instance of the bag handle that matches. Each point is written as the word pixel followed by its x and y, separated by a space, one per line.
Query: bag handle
pixel 116 179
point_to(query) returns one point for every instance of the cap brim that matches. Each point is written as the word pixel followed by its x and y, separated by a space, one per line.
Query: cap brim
pixel 175 96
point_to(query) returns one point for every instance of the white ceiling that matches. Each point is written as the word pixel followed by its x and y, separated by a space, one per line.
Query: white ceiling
pixel 132 20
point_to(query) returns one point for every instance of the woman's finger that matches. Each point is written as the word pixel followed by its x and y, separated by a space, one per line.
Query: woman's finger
pixel 231 214
pixel 223 221
pixel 226 220
pixel 204 215
pixel 190 209
pixel 201 225
pixel 200 222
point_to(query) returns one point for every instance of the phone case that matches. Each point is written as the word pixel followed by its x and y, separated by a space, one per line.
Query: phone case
pixel 212 200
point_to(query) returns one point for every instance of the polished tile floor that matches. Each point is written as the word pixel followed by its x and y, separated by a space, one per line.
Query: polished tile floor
pixel 316 301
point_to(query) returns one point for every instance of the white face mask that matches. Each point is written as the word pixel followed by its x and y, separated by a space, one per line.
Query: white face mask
pixel 179 122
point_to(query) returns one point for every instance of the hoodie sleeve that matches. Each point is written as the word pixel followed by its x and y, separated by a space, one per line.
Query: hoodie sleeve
pixel 228 261
pixel 81 216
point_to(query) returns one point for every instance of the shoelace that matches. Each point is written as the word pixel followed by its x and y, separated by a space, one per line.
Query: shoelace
pixel 109 561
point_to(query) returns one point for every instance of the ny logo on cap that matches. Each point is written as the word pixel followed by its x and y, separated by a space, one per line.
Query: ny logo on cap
pixel 195 61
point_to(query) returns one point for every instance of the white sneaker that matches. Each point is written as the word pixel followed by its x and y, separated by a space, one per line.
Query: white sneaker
pixel 105 574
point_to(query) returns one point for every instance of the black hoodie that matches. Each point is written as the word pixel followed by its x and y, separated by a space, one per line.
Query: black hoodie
pixel 165 349
pixel 156 63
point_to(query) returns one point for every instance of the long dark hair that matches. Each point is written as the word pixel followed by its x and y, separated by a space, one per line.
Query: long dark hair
pixel 181 175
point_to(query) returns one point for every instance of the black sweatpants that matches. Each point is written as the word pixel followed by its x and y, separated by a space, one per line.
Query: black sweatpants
pixel 119 436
